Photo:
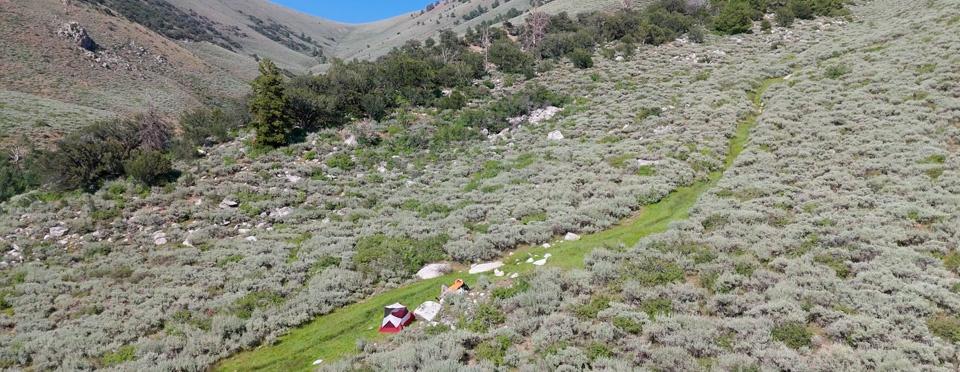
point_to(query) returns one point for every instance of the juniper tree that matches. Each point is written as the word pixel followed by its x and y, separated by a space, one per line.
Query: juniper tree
pixel 267 106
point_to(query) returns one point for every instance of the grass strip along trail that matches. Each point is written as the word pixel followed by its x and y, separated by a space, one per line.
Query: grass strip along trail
pixel 334 335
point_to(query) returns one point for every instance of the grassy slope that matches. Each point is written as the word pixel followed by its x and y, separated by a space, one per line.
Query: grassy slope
pixel 334 335
pixel 35 117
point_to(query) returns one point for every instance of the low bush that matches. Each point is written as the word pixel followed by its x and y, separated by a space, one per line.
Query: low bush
pixel 85 159
pixel 519 286
pixel 597 350
pixel 509 58
pixel 123 354
pixel 205 126
pixel 493 350
pixel 149 167
pixel 341 160
pixel 657 307
pixel 628 325
pixel 736 17
pixel 591 309
pixel 946 327
pixel 952 261
pixel 16 178
pixel 794 335
pixel 381 254
pixel 836 71
pixel 784 16
pixel 581 59
pixel 244 306
pixel 652 272
pixel 494 116
pixel 485 316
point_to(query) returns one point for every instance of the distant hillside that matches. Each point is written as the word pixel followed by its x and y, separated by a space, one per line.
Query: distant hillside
pixel 168 55
pixel 370 40
pixel 81 60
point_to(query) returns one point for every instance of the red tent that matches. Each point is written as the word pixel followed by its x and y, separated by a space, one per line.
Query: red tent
pixel 395 317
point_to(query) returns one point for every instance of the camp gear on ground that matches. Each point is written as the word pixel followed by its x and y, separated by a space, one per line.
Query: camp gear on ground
pixel 428 310
pixel 458 287
pixel 395 318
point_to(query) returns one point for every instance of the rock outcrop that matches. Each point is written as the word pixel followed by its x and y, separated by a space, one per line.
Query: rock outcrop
pixel 73 31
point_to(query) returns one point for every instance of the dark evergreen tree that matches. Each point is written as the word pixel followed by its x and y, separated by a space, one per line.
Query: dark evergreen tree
pixel 268 106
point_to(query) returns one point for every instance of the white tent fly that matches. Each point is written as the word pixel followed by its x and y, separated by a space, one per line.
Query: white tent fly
pixel 428 310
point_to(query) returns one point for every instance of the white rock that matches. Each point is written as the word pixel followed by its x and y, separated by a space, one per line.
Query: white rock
pixel 58 231
pixel 555 136
pixel 351 140
pixel 318 361
pixel 663 129
pixel 644 162
pixel 540 262
pixel 514 275
pixel 529 259
pixel 546 245
pixel 484 267
pixel 292 178
pixel 433 270
pixel 548 255
pixel 228 203
pixel 497 272
pixel 281 212
pixel 543 114
pixel 251 238
pixel 571 237
pixel 517 120
pixel 243 231
pixel 159 238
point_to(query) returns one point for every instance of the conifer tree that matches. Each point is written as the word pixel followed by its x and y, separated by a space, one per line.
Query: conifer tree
pixel 267 106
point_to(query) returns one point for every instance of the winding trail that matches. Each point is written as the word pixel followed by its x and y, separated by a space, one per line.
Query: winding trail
pixel 333 336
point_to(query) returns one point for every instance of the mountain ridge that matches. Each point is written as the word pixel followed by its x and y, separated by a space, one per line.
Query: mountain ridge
pixel 165 55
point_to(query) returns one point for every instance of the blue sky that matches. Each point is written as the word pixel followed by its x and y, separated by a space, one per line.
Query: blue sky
pixel 355 11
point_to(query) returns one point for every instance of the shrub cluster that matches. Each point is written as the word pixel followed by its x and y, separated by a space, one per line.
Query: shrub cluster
pixel 17 176
pixel 92 155
pixel 414 74
pixel 737 16
pixel 397 255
